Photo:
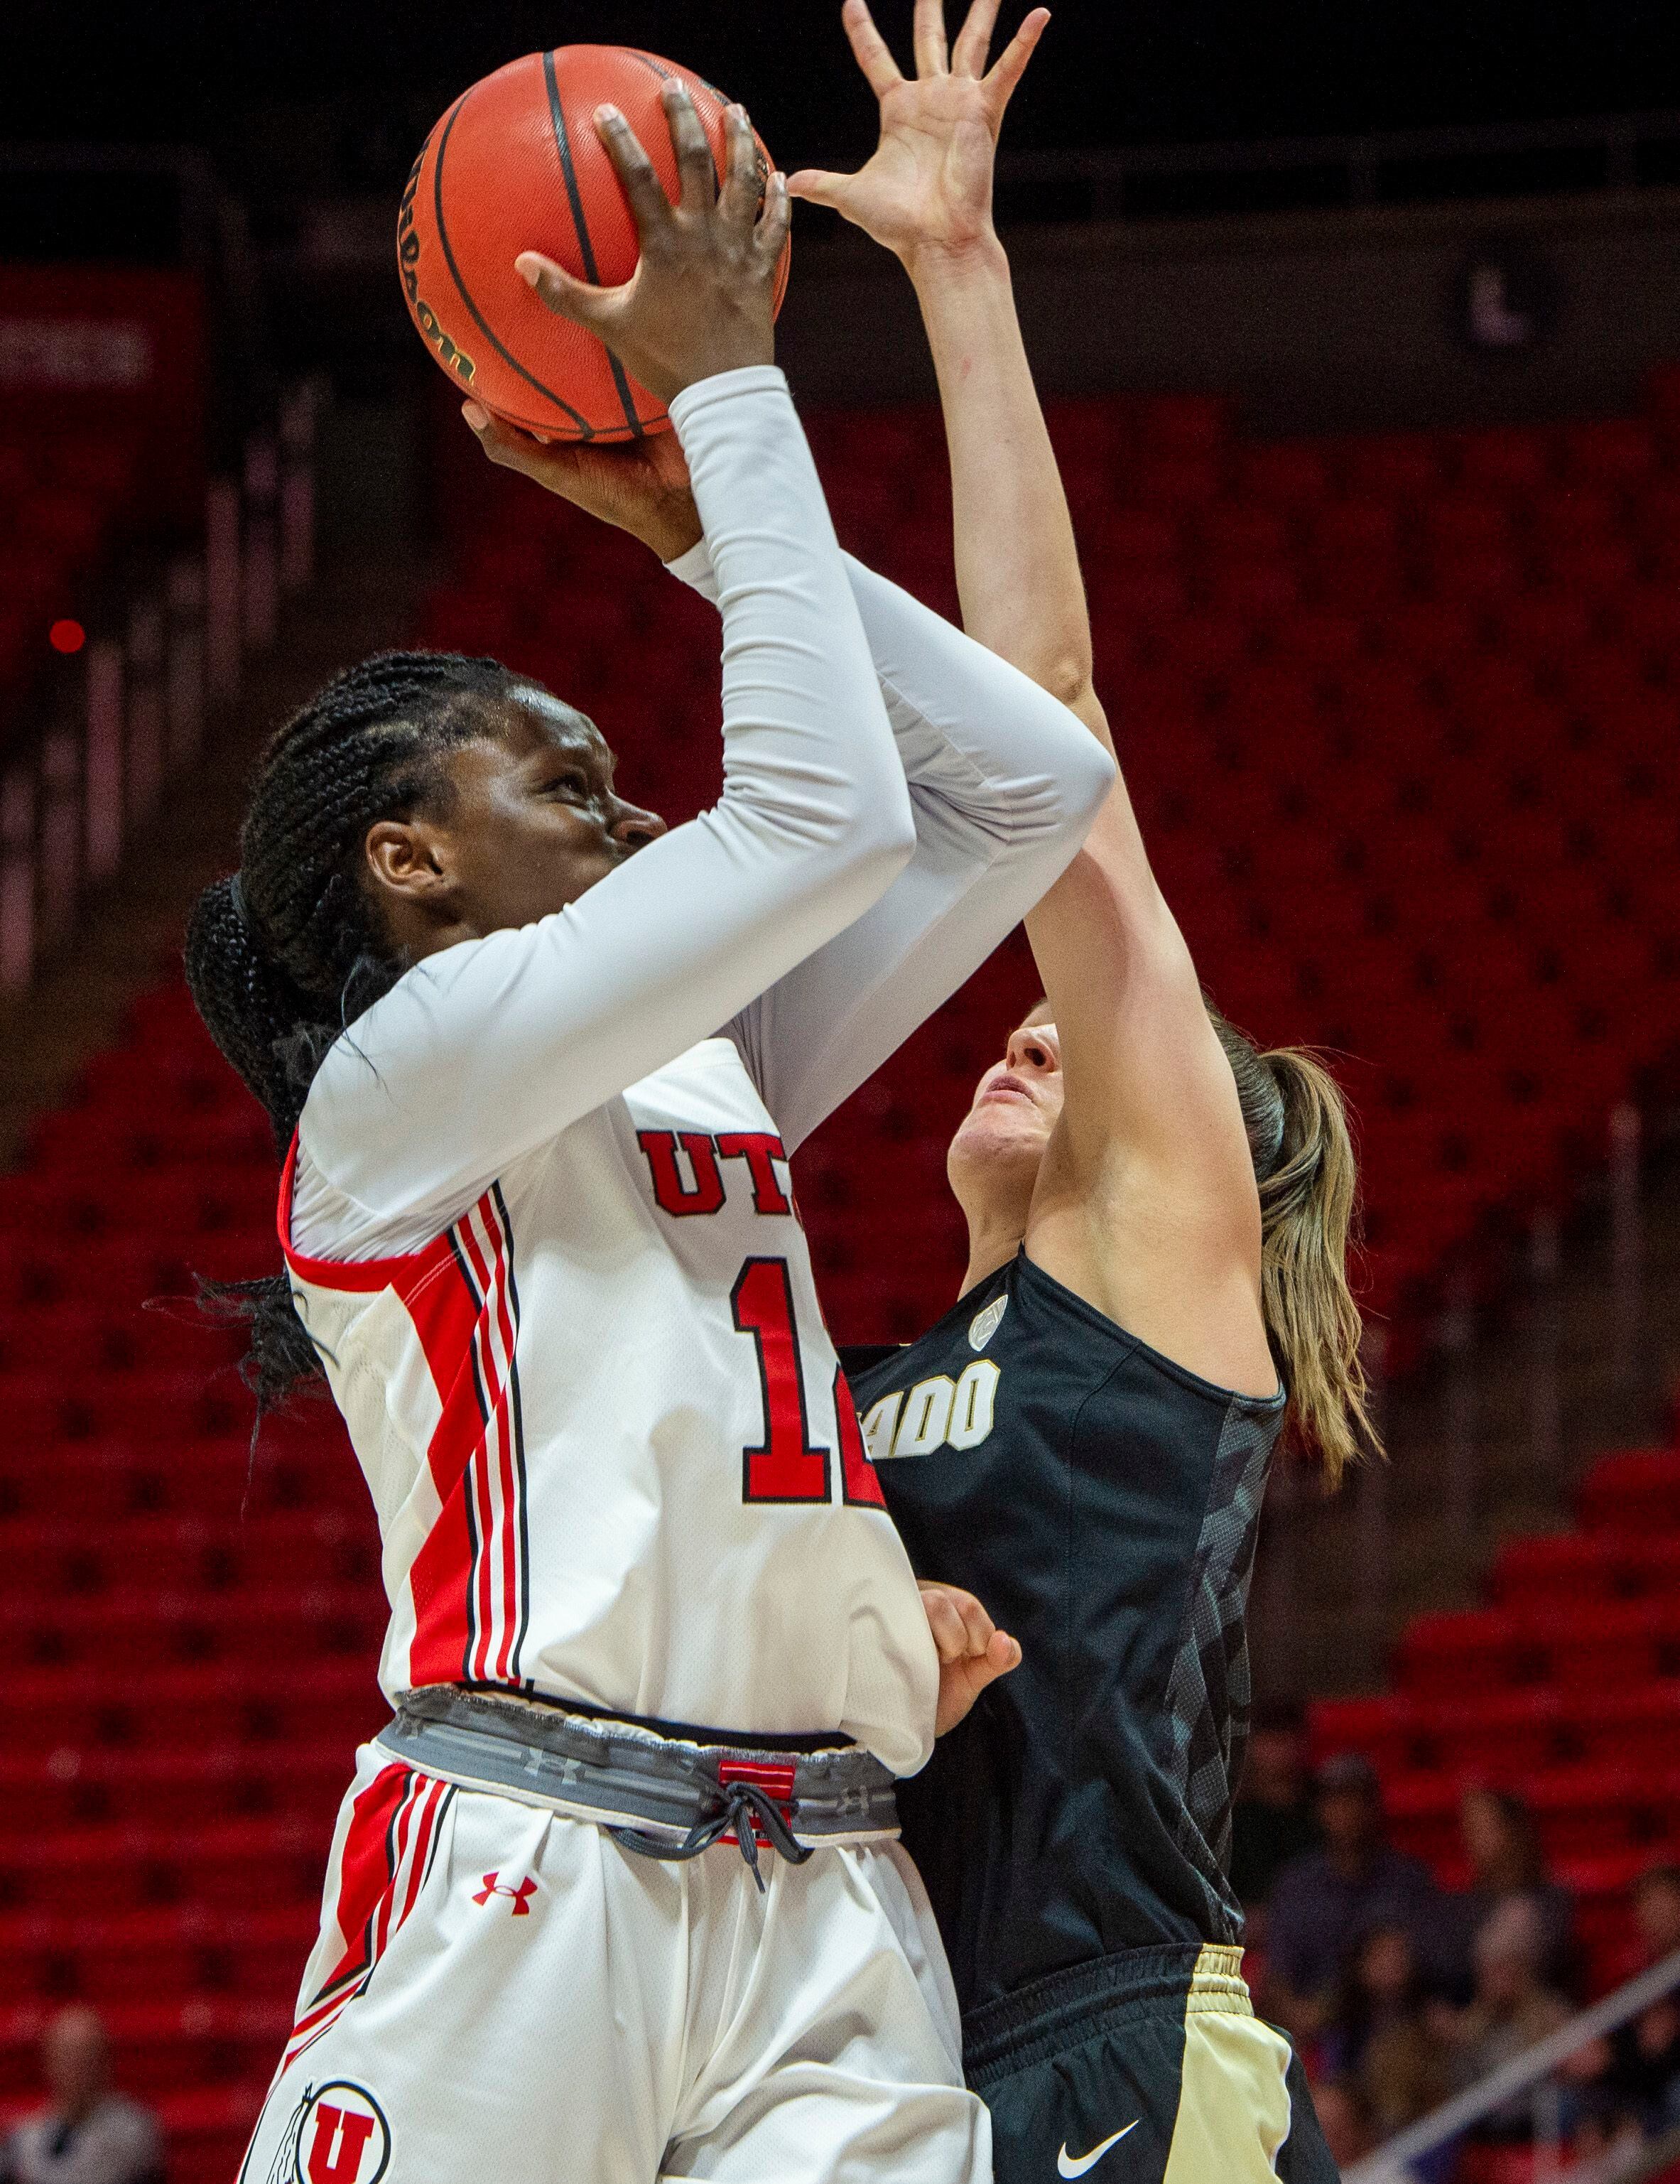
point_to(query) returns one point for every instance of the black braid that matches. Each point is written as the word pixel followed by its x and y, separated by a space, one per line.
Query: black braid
pixel 283 955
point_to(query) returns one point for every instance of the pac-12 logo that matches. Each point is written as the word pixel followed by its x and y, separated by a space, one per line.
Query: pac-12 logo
pixel 343 2136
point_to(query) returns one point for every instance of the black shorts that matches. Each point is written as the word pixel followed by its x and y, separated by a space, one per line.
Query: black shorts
pixel 1148 2067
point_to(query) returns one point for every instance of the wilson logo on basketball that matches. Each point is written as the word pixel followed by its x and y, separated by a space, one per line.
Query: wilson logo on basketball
pixel 343 2136
pixel 407 262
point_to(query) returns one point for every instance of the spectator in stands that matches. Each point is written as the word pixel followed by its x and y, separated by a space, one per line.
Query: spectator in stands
pixel 1326 1898
pixel 1382 2035
pixel 1512 2008
pixel 1503 1846
pixel 1644 2059
pixel 87 2134
pixel 1273 1819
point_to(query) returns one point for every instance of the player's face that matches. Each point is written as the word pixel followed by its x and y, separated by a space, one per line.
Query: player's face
pixel 533 820
pixel 1017 1103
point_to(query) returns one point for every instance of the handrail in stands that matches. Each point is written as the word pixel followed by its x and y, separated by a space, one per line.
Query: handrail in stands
pixel 133 707
pixel 1391 2164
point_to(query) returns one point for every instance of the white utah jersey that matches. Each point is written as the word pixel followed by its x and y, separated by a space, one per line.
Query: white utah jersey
pixel 609 1443
pixel 539 1220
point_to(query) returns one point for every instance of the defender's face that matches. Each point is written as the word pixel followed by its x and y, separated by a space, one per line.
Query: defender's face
pixel 1017 1103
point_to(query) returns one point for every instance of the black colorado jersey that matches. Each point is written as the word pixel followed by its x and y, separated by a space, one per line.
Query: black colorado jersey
pixel 1103 1503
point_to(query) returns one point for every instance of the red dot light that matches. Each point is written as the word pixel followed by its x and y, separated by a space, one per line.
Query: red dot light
pixel 67 636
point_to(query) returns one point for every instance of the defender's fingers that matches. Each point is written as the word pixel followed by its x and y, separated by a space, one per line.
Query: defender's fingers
pixel 770 236
pixel 1000 1658
pixel 567 298
pixel 873 55
pixel 951 1640
pixel 977 1625
pixel 1010 66
pixel 696 170
pixel 649 206
pixel 740 199
pixel 816 186
pixel 932 56
pixel 974 40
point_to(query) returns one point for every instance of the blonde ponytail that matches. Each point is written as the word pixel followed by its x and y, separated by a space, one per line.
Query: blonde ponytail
pixel 1303 1159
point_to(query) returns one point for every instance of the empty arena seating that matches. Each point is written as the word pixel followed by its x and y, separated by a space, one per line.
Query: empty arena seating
pixel 1565 1687
pixel 1399 716
pixel 188 1634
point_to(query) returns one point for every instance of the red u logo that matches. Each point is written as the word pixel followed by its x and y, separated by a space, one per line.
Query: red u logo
pixel 340 2163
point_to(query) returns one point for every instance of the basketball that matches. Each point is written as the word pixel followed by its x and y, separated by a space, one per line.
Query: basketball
pixel 516 164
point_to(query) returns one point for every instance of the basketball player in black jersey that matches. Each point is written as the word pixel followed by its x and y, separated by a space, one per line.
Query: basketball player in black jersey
pixel 1158 1218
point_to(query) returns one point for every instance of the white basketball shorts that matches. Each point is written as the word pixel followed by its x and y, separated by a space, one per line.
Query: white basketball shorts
pixel 501 1994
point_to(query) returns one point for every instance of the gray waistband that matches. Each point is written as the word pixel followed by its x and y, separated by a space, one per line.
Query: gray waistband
pixel 547 1755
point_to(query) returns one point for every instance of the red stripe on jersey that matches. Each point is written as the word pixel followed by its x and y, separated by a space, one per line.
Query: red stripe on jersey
pixel 467 1579
pixel 505 1443
pixel 366 1869
pixel 492 1474
pixel 400 1273
pixel 386 1851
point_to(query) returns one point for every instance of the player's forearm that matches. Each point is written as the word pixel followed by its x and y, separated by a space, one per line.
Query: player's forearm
pixel 1017 564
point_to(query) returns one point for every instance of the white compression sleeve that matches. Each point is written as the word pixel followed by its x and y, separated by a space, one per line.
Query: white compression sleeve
pixel 486 1049
pixel 1004 783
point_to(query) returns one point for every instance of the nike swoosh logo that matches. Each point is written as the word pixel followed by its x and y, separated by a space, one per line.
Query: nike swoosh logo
pixel 1067 2166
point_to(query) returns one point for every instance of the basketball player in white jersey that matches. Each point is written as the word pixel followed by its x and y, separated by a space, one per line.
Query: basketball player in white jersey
pixel 617 1896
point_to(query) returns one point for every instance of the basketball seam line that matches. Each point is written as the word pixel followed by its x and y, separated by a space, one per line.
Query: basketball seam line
pixel 583 424
pixel 562 146
pixel 664 75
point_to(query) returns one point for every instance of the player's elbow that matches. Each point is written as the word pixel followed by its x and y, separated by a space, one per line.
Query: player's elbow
pixel 881 840
pixel 852 841
pixel 1067 678
pixel 1086 774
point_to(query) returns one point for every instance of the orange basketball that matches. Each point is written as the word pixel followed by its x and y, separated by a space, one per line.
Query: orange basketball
pixel 515 164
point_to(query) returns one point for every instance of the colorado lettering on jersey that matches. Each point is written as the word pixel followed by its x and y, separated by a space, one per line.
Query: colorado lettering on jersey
pixel 937 1413
pixel 694 1183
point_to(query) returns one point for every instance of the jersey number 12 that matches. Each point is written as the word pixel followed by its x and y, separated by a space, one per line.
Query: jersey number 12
pixel 784 1467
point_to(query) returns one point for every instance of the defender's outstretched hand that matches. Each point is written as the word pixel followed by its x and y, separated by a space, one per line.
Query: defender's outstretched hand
pixel 928 187
pixel 973 1651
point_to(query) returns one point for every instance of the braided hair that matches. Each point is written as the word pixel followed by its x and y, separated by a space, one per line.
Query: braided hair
pixel 282 956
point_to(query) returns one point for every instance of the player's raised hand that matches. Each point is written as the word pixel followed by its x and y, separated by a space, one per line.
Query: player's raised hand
pixel 702 300
pixel 641 487
pixel 928 186
pixel 972 1650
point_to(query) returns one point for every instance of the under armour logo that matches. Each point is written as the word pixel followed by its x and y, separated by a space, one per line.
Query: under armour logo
pixel 521 1896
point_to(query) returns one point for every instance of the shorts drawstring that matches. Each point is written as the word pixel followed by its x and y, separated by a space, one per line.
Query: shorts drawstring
pixel 745 1808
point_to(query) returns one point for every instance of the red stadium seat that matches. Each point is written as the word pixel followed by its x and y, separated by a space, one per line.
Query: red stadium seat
pixel 1450 1656
pixel 1637 1726
pixel 1496 1737
pixel 1545 1569
pixel 1384 1729
pixel 1634 1489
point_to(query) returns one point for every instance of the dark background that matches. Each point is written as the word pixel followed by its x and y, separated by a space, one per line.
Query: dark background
pixel 335 94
